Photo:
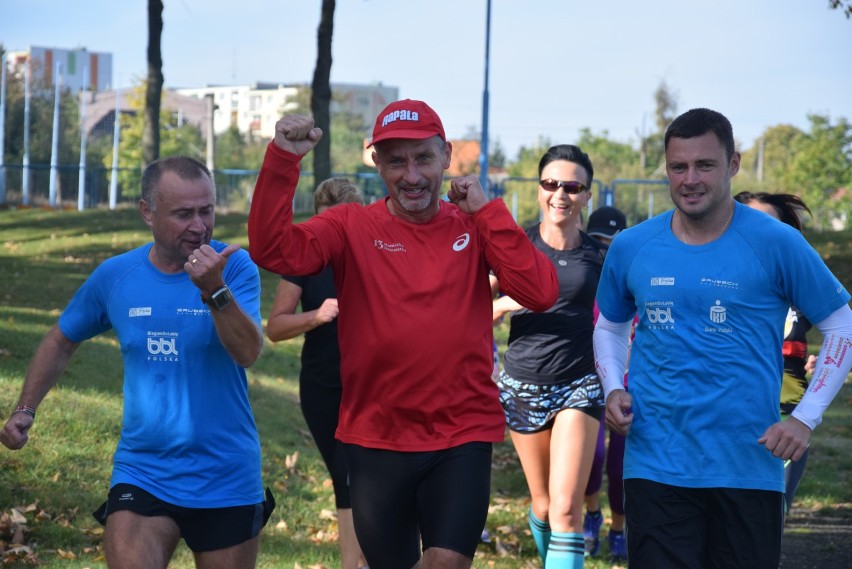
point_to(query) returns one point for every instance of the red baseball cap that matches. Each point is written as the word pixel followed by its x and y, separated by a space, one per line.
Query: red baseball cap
pixel 407 119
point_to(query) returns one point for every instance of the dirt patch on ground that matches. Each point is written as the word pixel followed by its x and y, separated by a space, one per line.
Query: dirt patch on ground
pixel 818 539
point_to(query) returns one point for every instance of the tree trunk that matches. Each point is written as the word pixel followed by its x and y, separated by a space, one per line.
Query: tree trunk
pixel 321 93
pixel 154 84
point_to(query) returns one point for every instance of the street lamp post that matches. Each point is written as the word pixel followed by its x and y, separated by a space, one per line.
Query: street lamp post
pixel 483 146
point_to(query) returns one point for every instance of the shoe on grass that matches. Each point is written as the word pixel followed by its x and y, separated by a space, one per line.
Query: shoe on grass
pixel 617 546
pixel 592 523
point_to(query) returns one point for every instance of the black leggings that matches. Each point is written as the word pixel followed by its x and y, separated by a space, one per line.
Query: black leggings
pixel 321 406
pixel 399 498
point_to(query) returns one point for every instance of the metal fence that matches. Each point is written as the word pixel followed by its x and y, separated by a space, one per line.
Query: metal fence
pixel 233 187
pixel 638 199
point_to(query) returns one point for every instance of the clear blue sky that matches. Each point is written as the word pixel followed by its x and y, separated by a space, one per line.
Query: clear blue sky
pixel 556 65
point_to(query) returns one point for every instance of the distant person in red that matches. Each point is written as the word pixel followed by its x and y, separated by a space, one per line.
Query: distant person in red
pixel 419 411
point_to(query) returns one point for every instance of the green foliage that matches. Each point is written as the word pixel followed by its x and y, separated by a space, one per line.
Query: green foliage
pixel 174 139
pixel 235 150
pixel 779 144
pixel 823 164
pixel 347 133
pixel 347 142
pixel 654 159
pixel 611 160
pixel 813 165
pixel 521 195
pixel 666 106
pixel 41 121
pixel 842 6
pixel 496 155
pixel 651 146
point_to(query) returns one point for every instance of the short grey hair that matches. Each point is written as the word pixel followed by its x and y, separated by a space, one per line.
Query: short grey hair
pixel 186 168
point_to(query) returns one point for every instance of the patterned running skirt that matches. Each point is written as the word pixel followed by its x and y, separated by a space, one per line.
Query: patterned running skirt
pixel 531 408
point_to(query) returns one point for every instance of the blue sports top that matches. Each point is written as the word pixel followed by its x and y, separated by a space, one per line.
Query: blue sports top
pixel 188 433
pixel 706 365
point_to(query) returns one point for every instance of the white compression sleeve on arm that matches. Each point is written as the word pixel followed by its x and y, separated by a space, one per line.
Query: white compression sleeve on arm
pixel 832 367
pixel 611 343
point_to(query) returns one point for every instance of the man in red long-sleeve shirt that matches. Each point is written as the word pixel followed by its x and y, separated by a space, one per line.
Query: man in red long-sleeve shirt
pixel 419 412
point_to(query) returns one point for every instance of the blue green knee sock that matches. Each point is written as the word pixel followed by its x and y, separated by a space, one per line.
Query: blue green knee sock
pixel 565 551
pixel 541 534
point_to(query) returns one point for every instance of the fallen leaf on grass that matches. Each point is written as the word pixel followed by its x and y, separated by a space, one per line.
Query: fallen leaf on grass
pixel 17 517
pixel 65 554
pixel 95 531
pixel 290 460
pixel 18 556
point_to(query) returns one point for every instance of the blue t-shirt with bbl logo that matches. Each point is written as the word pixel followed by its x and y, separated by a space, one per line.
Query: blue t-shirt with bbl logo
pixel 188 434
pixel 706 364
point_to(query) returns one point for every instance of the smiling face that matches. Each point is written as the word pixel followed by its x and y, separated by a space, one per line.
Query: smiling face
pixel 413 171
pixel 700 175
pixel 559 207
pixel 181 218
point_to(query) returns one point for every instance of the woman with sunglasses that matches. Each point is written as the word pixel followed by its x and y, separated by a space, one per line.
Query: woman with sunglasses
pixel 551 395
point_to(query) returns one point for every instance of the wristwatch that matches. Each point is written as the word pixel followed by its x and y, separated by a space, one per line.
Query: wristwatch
pixel 219 299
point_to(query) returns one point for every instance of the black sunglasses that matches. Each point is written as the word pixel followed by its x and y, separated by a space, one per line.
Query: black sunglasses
pixel 570 187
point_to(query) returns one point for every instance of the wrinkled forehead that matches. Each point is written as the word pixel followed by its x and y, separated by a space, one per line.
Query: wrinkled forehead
pixel 409 146
pixel 194 192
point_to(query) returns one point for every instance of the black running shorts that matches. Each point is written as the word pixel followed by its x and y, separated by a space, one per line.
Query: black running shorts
pixel 444 494
pixel 702 528
pixel 203 529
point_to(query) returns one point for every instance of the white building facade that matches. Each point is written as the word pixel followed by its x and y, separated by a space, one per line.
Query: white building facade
pixel 80 69
pixel 256 108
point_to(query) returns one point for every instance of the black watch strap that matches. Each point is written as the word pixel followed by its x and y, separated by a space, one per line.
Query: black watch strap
pixel 219 299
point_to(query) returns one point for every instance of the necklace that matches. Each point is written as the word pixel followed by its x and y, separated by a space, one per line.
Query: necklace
pixel 718 234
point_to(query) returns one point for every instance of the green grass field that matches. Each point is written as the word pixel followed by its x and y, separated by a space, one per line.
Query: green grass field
pixel 49 489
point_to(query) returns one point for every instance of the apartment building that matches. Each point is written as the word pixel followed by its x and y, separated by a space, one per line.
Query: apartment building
pixel 81 69
pixel 257 107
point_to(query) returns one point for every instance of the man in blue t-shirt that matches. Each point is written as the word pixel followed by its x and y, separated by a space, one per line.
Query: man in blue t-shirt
pixel 186 311
pixel 711 282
